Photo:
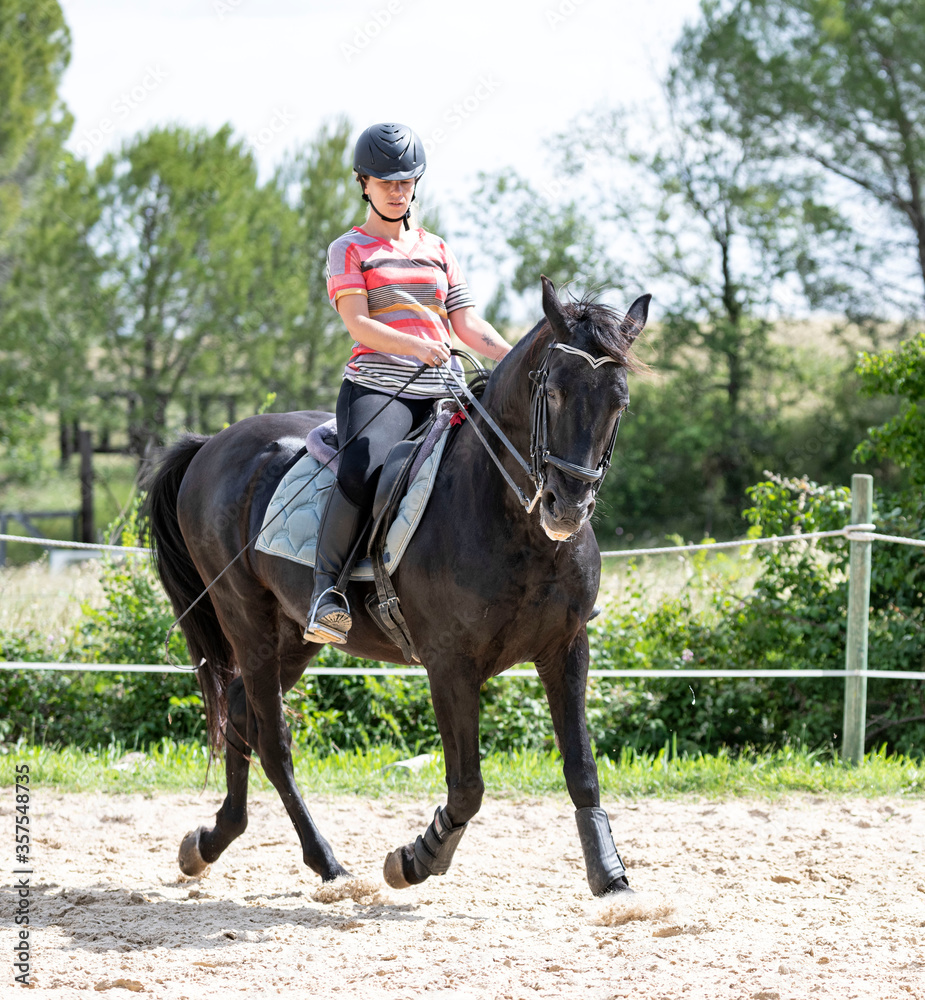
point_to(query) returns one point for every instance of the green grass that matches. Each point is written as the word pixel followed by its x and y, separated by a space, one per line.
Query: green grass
pixel 171 766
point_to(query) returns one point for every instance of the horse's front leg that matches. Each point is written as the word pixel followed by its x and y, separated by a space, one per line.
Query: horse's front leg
pixel 565 677
pixel 455 694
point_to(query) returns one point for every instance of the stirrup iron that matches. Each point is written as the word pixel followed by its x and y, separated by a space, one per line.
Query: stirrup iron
pixel 334 625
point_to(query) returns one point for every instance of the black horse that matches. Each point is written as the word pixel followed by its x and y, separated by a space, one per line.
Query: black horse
pixel 483 584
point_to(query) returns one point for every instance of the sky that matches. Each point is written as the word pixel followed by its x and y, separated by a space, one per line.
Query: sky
pixel 485 83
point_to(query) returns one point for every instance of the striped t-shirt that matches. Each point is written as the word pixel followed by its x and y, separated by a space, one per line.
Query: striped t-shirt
pixel 412 291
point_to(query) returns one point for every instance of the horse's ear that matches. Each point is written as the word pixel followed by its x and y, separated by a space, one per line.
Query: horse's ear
pixel 635 319
pixel 552 307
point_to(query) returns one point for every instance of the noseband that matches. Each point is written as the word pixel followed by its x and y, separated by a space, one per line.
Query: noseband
pixel 540 456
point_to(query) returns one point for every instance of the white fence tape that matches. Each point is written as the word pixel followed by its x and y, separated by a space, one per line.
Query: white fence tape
pixel 154 668
pixel 56 543
pixel 853 532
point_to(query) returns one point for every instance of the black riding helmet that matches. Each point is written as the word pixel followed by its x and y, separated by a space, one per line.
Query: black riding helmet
pixel 390 152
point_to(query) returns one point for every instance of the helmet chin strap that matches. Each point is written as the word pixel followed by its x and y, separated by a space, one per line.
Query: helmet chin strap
pixel 401 218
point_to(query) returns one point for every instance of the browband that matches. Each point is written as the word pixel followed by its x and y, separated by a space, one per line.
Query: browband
pixel 593 362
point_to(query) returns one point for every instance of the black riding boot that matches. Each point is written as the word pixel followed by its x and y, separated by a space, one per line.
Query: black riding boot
pixel 329 614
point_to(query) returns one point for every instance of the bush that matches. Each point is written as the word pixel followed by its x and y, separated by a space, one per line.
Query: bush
pixel 330 713
pixel 794 618
pixel 90 708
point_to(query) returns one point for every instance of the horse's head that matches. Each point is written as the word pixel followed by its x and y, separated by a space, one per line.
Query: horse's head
pixel 579 393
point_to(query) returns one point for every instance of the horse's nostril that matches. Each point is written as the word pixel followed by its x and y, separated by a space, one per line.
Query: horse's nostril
pixel 549 502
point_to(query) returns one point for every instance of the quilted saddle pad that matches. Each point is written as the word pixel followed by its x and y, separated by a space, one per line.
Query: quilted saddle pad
pixel 290 525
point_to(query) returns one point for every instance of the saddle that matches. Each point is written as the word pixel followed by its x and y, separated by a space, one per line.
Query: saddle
pixel 398 471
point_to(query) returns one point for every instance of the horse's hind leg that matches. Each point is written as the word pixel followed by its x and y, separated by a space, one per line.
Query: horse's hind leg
pixel 565 685
pixel 203 846
pixel 256 725
pixel 266 678
pixel 455 695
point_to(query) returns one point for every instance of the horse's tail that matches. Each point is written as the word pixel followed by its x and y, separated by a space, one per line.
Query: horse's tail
pixel 207 644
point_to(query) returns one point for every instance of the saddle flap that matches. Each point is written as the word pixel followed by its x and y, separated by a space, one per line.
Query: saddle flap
pixel 395 470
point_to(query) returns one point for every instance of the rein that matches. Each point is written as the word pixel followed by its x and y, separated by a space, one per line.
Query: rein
pixel 540 455
pixel 454 382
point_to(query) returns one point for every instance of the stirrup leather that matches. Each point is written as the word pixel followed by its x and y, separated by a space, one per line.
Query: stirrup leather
pixel 334 624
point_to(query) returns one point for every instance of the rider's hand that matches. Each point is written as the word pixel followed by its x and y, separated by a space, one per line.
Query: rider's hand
pixel 432 353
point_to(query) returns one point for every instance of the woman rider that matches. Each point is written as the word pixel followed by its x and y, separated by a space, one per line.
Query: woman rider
pixel 400 292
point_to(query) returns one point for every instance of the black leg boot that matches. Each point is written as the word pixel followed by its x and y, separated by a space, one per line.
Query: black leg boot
pixel 329 614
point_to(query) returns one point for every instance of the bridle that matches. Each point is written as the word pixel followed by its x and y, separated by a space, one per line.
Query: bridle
pixel 540 455
pixel 539 437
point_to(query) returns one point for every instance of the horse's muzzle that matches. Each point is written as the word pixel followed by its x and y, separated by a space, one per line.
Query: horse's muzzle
pixel 561 518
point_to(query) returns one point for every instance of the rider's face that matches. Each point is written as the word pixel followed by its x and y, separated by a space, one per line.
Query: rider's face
pixel 392 198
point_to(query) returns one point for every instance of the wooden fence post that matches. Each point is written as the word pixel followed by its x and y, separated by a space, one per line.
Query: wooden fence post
pixel 855 719
pixel 85 444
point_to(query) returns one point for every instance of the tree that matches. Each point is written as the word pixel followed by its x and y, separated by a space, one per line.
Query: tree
pixel 34 51
pixel 526 233
pixel 839 84
pixel 53 306
pixel 35 48
pixel 725 237
pixel 901 373
pixel 303 361
pixel 187 239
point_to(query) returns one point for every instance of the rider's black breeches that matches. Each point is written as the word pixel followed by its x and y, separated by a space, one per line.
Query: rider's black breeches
pixel 361 461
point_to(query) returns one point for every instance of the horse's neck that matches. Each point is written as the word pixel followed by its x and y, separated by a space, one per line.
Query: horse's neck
pixel 507 401
pixel 507 397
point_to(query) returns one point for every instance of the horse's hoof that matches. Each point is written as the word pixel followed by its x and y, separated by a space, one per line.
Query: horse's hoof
pixel 191 861
pixel 393 872
pixel 618 885
pixel 339 874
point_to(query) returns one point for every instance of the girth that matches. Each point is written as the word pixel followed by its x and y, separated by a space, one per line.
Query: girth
pixel 383 606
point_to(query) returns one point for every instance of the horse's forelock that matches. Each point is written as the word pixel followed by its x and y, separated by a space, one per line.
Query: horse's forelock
pixel 602 324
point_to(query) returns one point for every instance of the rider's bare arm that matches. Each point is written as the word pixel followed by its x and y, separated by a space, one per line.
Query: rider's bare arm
pixel 478 333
